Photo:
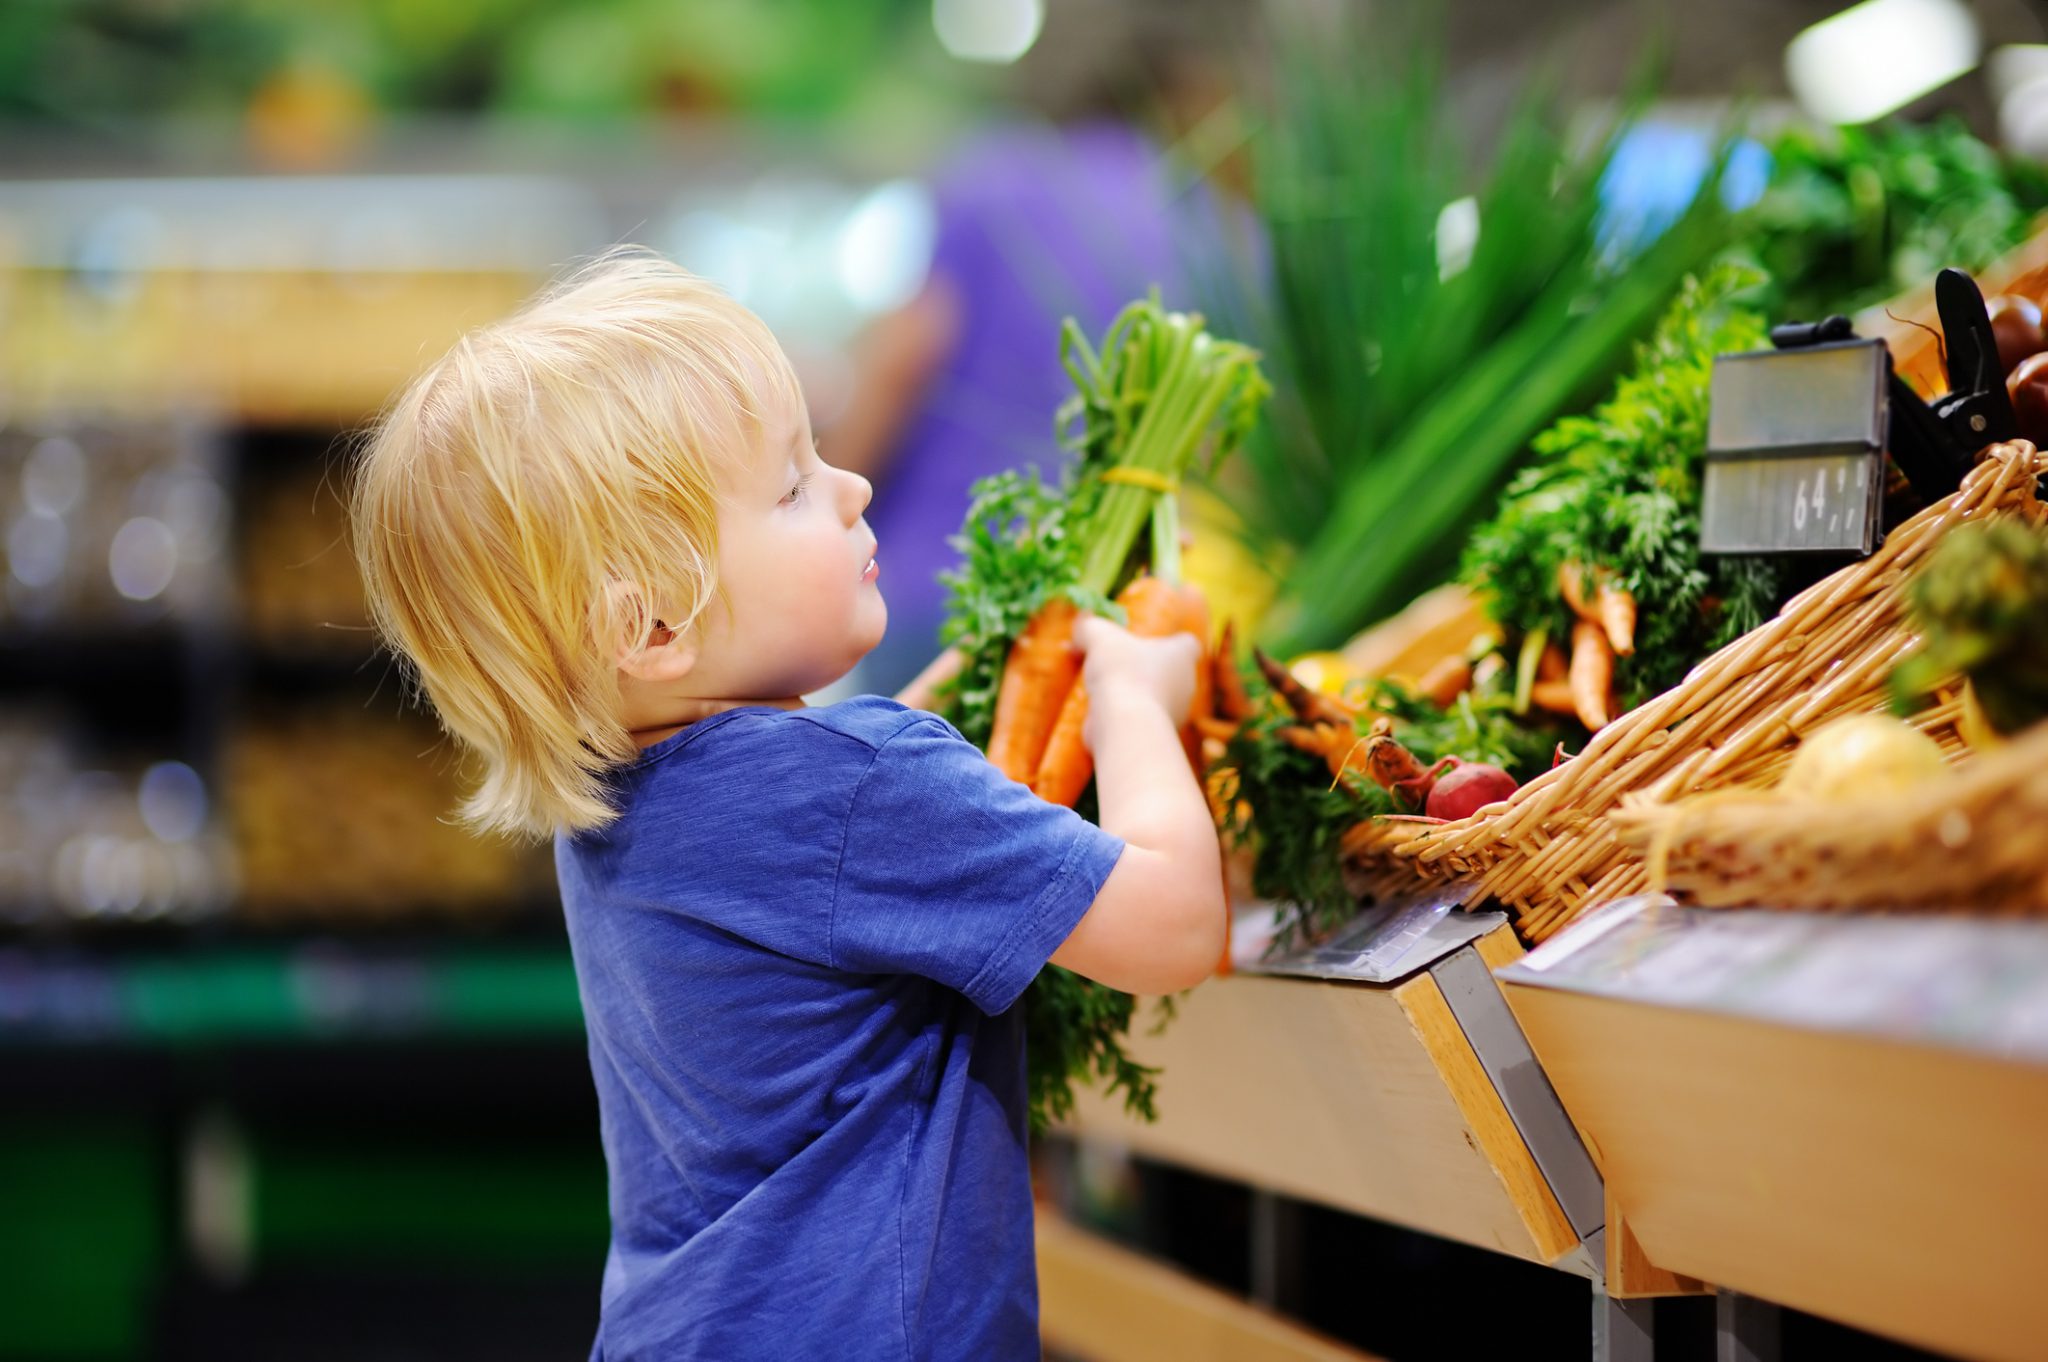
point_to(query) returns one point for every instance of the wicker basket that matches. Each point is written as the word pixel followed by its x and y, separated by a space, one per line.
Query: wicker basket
pixel 1972 840
pixel 1555 848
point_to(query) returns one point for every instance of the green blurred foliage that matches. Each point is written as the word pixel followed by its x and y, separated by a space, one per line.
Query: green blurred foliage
pixel 1855 216
pixel 103 62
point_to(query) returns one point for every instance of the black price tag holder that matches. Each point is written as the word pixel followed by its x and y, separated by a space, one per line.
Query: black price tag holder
pixel 1797 435
pixel 1795 450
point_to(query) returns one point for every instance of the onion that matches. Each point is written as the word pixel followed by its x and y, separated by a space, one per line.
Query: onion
pixel 2027 386
pixel 2016 325
pixel 1466 788
pixel 1861 756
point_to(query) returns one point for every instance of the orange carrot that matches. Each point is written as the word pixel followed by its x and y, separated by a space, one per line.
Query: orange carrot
pixel 1154 609
pixel 1313 739
pixel 1340 746
pixel 1220 787
pixel 1042 669
pixel 1310 706
pixel 1232 701
pixel 1324 741
pixel 1555 696
pixel 1068 765
pixel 1194 617
pixel 1617 609
pixel 1592 674
pixel 1613 609
pixel 1394 768
pixel 1571 584
pixel 1446 681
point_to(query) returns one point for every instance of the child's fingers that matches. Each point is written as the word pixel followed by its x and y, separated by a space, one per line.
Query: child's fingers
pixel 1093 631
pixel 1182 649
pixel 1090 630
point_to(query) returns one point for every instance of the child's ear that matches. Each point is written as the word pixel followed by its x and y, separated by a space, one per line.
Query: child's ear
pixel 661 655
pixel 664 656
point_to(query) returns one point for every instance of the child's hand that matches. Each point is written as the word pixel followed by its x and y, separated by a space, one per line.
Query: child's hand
pixel 1156 925
pixel 1122 668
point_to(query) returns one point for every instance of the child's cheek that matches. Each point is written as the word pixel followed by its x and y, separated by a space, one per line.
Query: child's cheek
pixel 827 569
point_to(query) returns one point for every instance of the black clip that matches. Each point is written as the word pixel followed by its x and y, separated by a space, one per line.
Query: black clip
pixel 1936 443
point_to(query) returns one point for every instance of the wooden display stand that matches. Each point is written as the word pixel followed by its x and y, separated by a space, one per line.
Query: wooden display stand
pixel 1894 1186
pixel 1372 1099
pixel 1103 1302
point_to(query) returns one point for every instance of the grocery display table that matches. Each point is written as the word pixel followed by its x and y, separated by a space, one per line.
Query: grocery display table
pixel 1839 1114
pixel 1104 1302
pixel 1413 1101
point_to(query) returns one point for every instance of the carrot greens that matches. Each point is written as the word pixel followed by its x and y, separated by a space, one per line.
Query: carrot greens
pixel 1618 489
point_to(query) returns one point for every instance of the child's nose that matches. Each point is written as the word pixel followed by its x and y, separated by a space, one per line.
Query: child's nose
pixel 859 493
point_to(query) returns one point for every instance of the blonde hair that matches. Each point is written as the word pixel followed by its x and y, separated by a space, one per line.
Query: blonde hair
pixel 537 496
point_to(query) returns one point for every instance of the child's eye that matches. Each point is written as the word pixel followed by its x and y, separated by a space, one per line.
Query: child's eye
pixel 795 493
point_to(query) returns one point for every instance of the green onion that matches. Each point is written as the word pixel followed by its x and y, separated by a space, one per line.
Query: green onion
pixel 1452 458
pixel 1408 380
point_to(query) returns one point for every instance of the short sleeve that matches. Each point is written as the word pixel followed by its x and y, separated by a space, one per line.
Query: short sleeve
pixel 955 872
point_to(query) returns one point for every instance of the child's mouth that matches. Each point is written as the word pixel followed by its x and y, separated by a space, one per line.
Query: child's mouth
pixel 871 571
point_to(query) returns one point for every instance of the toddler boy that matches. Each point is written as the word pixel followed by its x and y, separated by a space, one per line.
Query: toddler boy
pixel 602 538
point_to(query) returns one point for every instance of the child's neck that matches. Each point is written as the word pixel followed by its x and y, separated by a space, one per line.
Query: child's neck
pixel 683 713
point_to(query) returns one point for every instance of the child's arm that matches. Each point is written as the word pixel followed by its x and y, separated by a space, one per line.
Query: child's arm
pixel 925 685
pixel 1157 924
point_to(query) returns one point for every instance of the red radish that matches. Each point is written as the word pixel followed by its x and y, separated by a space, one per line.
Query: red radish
pixel 1466 788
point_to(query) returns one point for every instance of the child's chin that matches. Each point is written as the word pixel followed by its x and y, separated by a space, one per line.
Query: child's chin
pixel 865 641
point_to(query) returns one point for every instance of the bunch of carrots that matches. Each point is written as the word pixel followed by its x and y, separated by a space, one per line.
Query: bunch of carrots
pixel 1159 392
pixel 1043 704
pixel 1603 628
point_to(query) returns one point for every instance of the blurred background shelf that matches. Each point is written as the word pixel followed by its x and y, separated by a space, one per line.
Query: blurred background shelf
pixel 246 991
pixel 213 1131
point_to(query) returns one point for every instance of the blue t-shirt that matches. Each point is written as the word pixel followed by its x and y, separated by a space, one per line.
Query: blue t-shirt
pixel 798 947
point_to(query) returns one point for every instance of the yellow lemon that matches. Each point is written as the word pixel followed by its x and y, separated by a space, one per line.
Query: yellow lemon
pixel 1324 672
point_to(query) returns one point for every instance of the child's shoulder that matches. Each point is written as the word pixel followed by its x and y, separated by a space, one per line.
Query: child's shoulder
pixel 871 720
pixel 860 726
pixel 785 766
